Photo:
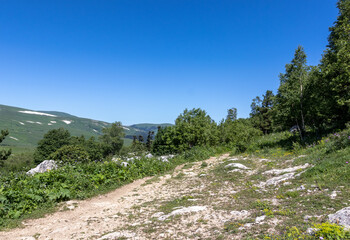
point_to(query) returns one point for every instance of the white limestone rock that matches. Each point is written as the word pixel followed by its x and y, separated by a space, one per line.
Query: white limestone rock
pixel 239 215
pixel 342 217
pixel 237 165
pixel 182 211
pixel 286 170
pixel 45 166
pixel 260 219
pixel 118 235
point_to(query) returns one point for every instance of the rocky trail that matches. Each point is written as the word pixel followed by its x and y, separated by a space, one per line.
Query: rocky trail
pixel 219 198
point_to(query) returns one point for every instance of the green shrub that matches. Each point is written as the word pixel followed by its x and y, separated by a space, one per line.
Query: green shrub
pixel 193 128
pixel 238 134
pixel 70 154
pixel 338 140
pixel 51 142
pixel 331 231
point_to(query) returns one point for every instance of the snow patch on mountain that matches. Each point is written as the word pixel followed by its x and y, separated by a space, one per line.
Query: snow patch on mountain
pixel 38 113
pixel 13 138
pixel 67 121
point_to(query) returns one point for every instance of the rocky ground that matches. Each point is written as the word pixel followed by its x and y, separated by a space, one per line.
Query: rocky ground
pixel 219 198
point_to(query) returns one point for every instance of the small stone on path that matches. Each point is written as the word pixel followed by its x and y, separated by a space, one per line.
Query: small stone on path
pixel 236 165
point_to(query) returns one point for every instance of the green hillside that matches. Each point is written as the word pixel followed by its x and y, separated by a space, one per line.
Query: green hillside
pixel 27 127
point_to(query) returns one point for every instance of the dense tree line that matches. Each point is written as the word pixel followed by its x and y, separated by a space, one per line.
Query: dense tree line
pixel 58 144
pixel 312 98
pixel 309 100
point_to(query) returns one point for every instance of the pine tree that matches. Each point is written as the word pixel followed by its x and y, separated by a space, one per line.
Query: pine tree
pixel 261 112
pixel 149 140
pixel 335 66
pixel 3 153
pixel 231 114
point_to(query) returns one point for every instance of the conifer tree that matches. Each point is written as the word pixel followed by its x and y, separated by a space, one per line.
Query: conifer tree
pixel 335 66
pixel 3 153
pixel 261 112
pixel 231 114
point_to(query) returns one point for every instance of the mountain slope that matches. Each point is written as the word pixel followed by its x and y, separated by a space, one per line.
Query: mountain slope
pixel 27 127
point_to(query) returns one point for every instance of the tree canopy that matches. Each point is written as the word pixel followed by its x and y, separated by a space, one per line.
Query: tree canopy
pixel 3 153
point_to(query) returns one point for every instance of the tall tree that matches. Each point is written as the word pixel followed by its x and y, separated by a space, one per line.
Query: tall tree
pixel 231 114
pixel 335 66
pixel 3 153
pixel 149 140
pixel 261 112
pixel 290 97
pixel 112 138
pixel 51 142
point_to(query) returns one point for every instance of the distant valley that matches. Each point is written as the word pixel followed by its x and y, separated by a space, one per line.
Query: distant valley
pixel 27 127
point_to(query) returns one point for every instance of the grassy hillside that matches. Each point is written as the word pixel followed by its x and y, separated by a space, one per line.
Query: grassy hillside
pixel 27 127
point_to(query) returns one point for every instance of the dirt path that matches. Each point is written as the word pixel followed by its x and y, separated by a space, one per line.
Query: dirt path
pixel 202 200
pixel 89 219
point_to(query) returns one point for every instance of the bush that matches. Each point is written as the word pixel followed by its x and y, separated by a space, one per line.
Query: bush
pixel 192 128
pixel 52 141
pixel 338 141
pixel 70 154
pixel 331 231
pixel 238 134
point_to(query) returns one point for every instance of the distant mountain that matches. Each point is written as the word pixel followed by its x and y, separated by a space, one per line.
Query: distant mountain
pixel 149 126
pixel 27 127
pixel 143 129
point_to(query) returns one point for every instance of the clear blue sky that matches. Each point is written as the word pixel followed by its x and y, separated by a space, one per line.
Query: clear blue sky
pixel 146 61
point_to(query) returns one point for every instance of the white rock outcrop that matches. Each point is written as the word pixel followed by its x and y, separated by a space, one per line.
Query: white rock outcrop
pixel 181 211
pixel 236 165
pixel 287 170
pixel 342 217
pixel 239 215
pixel 45 166
pixel 260 219
pixel 118 235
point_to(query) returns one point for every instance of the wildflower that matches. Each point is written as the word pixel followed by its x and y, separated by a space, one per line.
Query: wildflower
pixel 347 162
pixel 321 237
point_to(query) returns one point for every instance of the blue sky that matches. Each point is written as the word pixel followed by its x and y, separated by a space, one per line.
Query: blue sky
pixel 146 61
